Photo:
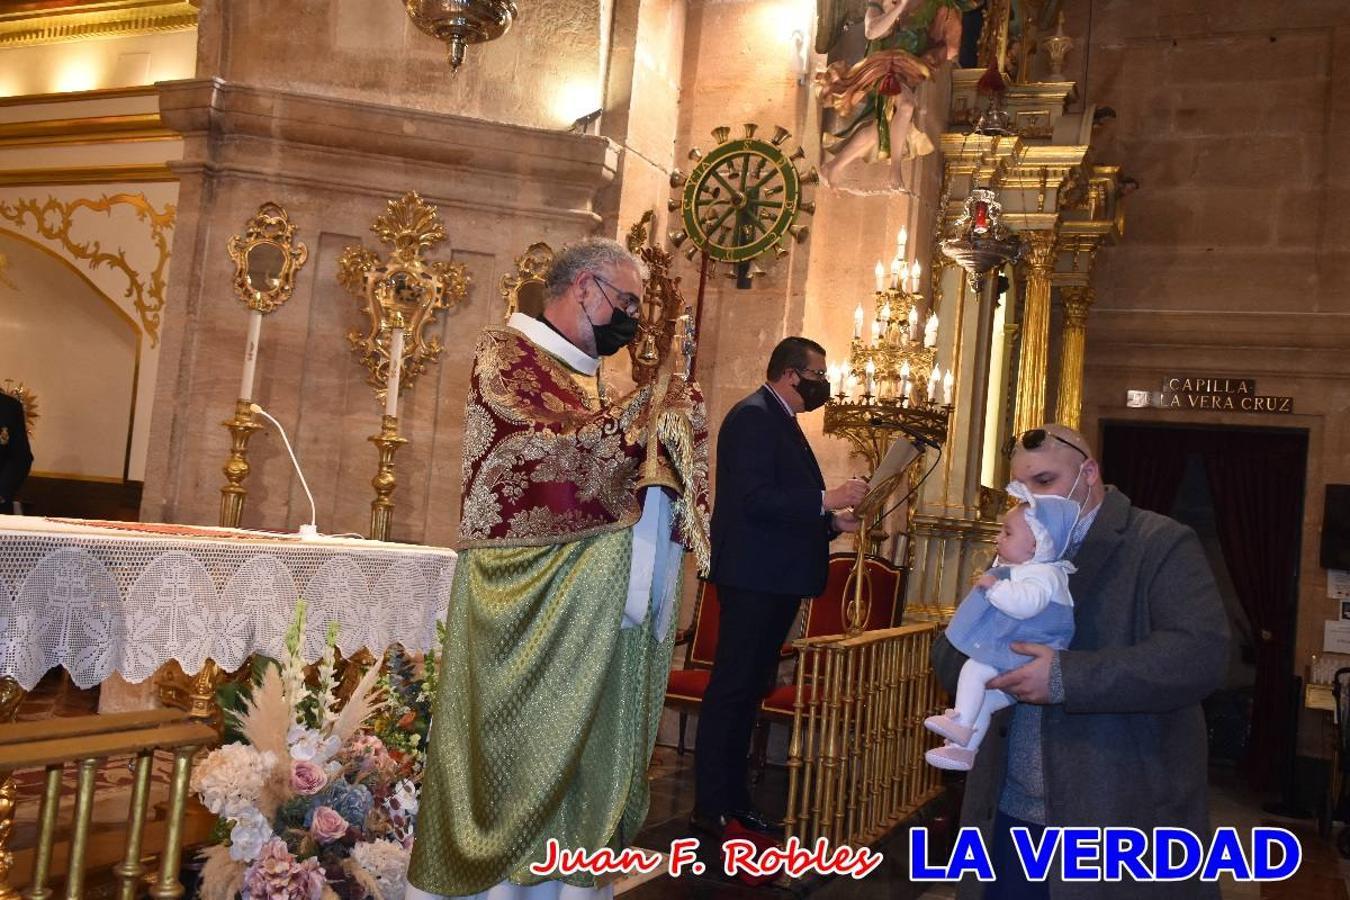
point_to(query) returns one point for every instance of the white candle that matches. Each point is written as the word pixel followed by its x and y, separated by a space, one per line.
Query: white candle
pixel 947 388
pixel 395 372
pixel 871 370
pixel 886 311
pixel 852 383
pixel 857 322
pixel 901 240
pixel 930 331
pixel 250 354
pixel 934 377
pixel 876 331
pixel 895 273
pixel 881 277
pixel 836 375
pixel 914 270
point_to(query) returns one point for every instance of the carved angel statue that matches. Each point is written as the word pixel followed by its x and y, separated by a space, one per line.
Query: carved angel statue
pixel 874 98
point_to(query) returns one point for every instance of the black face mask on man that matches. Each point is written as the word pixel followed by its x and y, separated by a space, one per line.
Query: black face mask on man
pixel 615 334
pixel 814 393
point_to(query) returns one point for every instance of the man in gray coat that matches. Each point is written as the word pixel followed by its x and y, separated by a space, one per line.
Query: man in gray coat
pixel 1110 731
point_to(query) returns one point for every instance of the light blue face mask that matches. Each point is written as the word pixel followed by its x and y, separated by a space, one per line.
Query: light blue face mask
pixel 1020 490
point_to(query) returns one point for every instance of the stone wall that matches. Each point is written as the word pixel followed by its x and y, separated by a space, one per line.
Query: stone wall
pixel 1235 119
pixel 333 164
pixel 545 71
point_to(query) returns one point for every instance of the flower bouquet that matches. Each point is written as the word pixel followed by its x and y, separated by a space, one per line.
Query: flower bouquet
pixel 311 806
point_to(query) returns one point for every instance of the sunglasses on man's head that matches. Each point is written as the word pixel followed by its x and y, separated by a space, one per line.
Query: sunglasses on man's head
pixel 1032 439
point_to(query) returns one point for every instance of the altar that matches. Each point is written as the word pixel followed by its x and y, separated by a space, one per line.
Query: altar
pixel 105 598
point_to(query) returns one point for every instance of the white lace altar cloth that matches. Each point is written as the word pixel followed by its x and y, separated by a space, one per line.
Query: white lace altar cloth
pixel 98 598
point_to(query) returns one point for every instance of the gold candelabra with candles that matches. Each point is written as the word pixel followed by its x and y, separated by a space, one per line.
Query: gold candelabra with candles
pixel 266 258
pixel 891 386
pixel 399 296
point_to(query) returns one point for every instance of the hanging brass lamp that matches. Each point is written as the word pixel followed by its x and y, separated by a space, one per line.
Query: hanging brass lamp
pixel 462 22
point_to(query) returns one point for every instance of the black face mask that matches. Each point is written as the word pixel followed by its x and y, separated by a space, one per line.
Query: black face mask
pixel 813 393
pixel 617 334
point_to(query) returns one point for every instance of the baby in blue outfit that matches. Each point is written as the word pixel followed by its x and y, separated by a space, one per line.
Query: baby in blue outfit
pixel 1024 597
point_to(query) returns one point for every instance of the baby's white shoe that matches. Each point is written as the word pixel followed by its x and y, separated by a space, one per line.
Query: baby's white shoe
pixel 951 758
pixel 949 726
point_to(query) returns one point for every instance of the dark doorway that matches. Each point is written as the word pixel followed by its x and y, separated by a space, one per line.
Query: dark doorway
pixel 1242 490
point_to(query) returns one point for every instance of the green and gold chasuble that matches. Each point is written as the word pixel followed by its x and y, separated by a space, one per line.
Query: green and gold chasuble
pixel 545 720
pixel 547 709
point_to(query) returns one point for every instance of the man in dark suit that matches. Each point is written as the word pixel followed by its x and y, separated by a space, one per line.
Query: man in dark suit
pixel 15 457
pixel 772 524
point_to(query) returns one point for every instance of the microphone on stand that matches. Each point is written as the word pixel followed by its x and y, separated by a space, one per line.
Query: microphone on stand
pixel 916 437
pixel 309 529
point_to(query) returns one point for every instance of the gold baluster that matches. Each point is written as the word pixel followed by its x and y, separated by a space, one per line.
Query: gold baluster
pixel 843 826
pixel 830 772
pixel 895 733
pixel 811 771
pixel 84 808
pixel 794 760
pixel 129 870
pixel 42 859
pixel 11 695
pixel 168 887
pixel 874 734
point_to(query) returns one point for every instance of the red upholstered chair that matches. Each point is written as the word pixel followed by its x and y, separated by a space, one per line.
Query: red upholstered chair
pixel 885 583
pixel 685 689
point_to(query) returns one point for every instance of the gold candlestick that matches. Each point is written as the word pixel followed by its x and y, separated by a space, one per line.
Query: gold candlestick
pixel 385 481
pixel 236 468
pixel 11 695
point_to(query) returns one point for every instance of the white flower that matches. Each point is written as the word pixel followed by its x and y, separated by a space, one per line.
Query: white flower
pixel 230 779
pixel 405 792
pixel 309 744
pixel 250 832
pixel 387 863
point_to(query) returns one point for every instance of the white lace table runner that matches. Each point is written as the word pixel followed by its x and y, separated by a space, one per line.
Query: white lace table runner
pixel 97 601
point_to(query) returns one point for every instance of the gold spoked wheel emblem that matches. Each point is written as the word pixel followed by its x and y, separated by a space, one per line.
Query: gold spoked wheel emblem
pixel 743 198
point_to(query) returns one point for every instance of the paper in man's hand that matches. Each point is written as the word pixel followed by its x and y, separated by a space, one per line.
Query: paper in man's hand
pixel 887 477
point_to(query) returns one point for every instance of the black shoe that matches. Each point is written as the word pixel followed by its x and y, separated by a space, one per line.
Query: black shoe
pixel 712 826
pixel 757 821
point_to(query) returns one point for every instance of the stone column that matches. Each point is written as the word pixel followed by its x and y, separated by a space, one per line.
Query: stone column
pixel 1031 369
pixel 1069 405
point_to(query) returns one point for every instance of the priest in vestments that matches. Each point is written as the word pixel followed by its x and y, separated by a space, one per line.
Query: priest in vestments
pixel 561 621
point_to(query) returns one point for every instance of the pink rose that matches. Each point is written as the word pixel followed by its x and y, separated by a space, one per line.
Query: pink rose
pixel 306 777
pixel 327 825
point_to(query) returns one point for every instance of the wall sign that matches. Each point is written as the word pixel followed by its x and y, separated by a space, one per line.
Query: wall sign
pixel 1200 392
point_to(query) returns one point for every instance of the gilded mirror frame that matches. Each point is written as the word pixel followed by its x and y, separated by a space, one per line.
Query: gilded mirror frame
pixel 270 226
pixel 531 267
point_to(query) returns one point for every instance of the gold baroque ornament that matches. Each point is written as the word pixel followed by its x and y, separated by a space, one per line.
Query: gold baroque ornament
pixel 524 290
pixel 19 391
pixel 404 290
pixel 53 221
pixel 266 258
pixel 662 306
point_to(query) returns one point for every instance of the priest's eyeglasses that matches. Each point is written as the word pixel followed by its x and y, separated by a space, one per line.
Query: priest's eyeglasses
pixel 1033 438
pixel 820 374
pixel 631 302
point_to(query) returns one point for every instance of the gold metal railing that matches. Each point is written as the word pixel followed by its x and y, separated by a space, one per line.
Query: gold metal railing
pixel 855 758
pixel 87 742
